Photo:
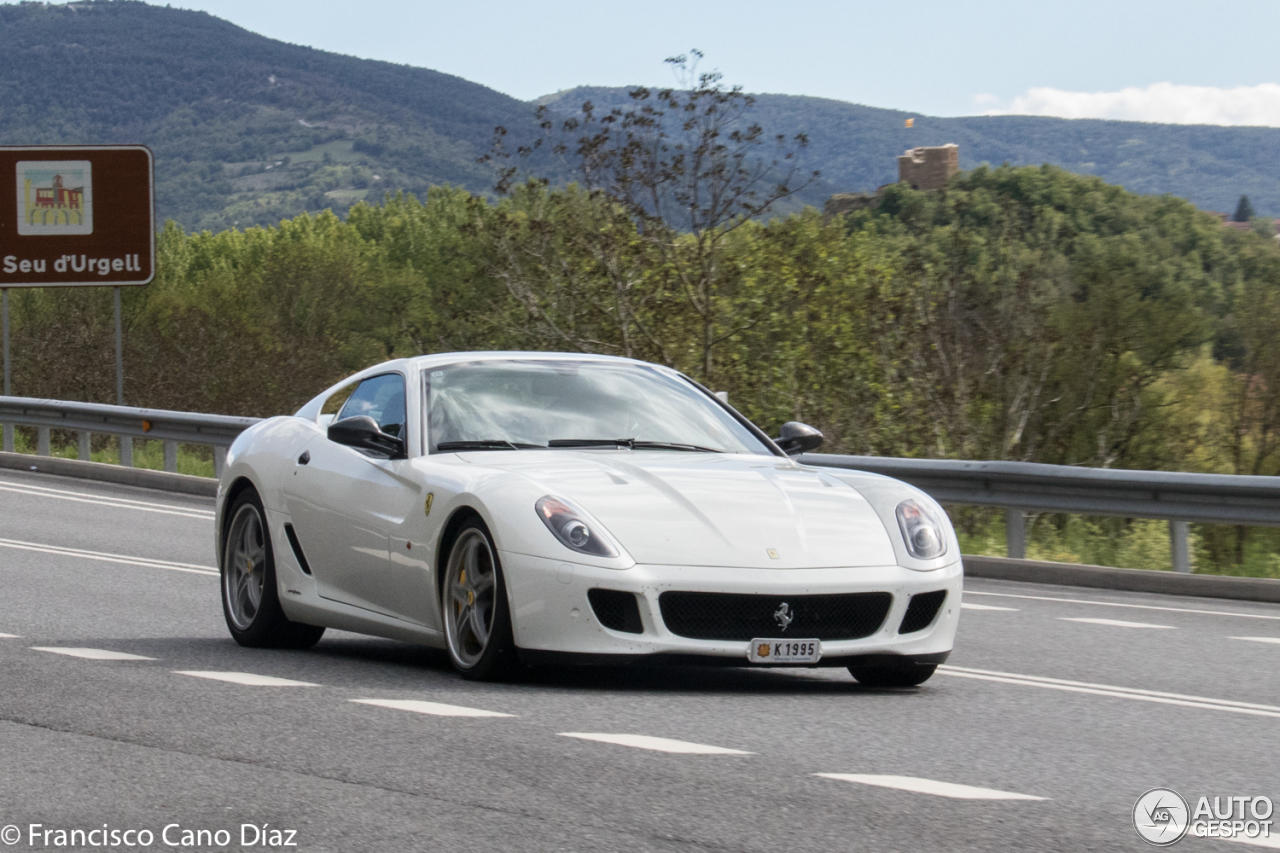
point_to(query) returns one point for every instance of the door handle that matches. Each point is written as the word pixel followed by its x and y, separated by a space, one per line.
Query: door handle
pixel 305 457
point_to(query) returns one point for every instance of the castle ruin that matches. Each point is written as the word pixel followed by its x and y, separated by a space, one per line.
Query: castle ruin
pixel 929 168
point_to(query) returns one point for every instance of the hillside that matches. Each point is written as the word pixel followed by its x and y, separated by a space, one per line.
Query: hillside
pixel 856 147
pixel 248 130
pixel 245 129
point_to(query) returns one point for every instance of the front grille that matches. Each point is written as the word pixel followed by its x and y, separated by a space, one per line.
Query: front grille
pixel 921 610
pixel 728 616
pixel 616 610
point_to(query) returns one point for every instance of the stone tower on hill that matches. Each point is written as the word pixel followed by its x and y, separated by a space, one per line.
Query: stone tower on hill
pixel 929 168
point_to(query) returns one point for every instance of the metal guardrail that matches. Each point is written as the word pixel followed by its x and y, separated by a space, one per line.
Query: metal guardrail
pixel 1018 487
pixel 127 422
pixel 1022 487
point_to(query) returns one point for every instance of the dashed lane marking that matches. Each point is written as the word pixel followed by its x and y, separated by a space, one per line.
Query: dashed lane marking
pixel 964 605
pixel 123 559
pixel 9 637
pixel 969 592
pixel 1275 640
pixel 437 709
pixel 247 678
pixel 90 654
pixel 106 500
pixel 929 786
pixel 1115 623
pixel 1112 691
pixel 657 744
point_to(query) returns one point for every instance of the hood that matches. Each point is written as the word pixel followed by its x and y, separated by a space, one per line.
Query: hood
pixel 705 509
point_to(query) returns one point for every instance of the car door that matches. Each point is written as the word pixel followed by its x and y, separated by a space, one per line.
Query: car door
pixel 345 502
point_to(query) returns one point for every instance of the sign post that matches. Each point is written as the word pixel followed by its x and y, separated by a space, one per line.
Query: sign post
pixel 76 217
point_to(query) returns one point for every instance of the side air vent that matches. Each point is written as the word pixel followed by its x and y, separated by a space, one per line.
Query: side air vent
pixel 297 549
pixel 921 610
pixel 617 611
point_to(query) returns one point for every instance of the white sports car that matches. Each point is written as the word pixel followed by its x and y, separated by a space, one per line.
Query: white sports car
pixel 529 508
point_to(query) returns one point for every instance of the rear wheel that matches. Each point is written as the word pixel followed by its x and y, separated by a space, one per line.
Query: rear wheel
pixel 250 599
pixel 477 619
pixel 911 675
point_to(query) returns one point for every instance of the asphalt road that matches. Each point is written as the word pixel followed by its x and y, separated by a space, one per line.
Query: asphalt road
pixel 1037 700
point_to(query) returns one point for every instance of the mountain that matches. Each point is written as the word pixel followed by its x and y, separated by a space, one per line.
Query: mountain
pixel 247 130
pixel 856 147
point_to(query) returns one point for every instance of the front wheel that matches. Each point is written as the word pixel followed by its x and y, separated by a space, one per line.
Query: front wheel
pixel 477 619
pixel 250 600
pixel 911 675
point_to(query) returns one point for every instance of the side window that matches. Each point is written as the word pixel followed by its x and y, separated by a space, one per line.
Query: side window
pixel 381 398
pixel 336 400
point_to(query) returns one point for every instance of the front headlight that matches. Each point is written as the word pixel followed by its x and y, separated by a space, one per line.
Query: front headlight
pixel 925 535
pixel 571 529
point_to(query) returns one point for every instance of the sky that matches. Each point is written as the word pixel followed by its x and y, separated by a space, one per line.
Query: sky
pixel 1168 61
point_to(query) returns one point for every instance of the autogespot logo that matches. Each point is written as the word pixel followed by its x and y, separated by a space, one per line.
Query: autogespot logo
pixel 1161 816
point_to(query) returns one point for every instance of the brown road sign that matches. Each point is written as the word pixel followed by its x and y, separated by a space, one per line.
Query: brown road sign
pixel 76 216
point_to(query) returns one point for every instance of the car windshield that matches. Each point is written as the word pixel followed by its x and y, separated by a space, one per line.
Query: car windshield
pixel 504 405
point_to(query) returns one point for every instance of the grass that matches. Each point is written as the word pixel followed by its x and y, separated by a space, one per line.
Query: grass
pixel 193 459
pixel 1122 543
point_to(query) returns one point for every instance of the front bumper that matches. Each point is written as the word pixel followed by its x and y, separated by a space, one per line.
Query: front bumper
pixel 553 619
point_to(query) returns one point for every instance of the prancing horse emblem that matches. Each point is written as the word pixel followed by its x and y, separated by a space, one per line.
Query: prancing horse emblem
pixel 784 615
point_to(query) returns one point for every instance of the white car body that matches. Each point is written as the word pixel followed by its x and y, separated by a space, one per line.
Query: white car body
pixel 370 530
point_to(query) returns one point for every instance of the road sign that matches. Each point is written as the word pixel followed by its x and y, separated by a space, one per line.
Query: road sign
pixel 77 216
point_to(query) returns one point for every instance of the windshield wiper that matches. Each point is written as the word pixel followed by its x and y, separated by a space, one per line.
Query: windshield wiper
pixel 670 445
pixel 483 444
pixel 629 443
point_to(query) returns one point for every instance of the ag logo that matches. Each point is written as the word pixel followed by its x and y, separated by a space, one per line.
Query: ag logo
pixel 1161 816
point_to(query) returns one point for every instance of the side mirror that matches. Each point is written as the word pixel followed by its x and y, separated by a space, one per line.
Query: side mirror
pixel 795 438
pixel 362 433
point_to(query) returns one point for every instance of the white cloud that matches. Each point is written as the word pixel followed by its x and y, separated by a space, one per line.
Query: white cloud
pixel 1161 102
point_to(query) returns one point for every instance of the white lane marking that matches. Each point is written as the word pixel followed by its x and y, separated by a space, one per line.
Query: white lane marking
pixel 969 592
pixel 964 605
pixel 437 709
pixel 246 678
pixel 1275 640
pixel 929 786
pixel 1112 690
pixel 658 744
pixel 124 559
pixel 1272 842
pixel 90 654
pixel 9 637
pixel 1114 623
pixel 106 500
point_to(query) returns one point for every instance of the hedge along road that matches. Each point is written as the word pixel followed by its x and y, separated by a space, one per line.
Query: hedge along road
pixel 124 702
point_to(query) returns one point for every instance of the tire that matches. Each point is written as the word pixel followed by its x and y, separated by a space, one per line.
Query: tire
pixel 250 596
pixel 476 614
pixel 911 675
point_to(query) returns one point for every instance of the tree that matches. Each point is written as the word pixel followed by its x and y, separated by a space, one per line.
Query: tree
pixel 688 167
pixel 1244 210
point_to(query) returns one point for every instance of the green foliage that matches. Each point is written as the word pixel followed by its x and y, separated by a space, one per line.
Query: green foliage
pixel 1019 314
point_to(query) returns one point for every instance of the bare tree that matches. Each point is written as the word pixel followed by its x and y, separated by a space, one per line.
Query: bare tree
pixel 686 165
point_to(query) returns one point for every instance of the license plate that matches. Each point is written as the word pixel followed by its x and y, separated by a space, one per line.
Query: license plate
pixel 784 651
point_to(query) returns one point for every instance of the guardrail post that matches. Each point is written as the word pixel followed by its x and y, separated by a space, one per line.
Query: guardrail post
pixel 1015 533
pixel 171 456
pixel 8 438
pixel 83 448
pixel 42 441
pixel 219 461
pixel 1179 545
pixel 126 451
